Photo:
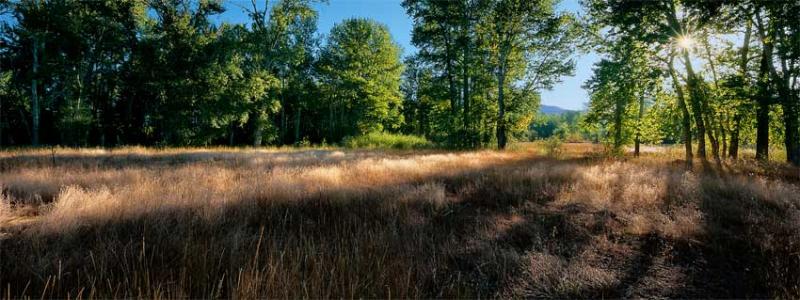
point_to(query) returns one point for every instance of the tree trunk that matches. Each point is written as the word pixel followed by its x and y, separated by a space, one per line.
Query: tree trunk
pixel 764 100
pixel 724 142
pixel 258 133
pixel 231 129
pixel 619 106
pixel 332 118
pixel 714 121
pixel 76 111
pixel 762 130
pixel 711 133
pixel 712 137
pixel 1 122
pixel 297 125
pixel 467 46
pixel 686 121
pixel 695 96
pixel 790 109
pixel 451 82
pixel 282 138
pixel 639 127
pixel 34 95
pixel 733 150
pixel 465 90
pixel 790 116
pixel 501 107
pixel 764 97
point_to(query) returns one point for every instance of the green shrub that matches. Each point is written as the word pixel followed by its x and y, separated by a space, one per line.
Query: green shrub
pixel 553 147
pixel 386 140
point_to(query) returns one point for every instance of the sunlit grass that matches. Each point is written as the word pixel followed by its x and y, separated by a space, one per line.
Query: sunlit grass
pixel 320 223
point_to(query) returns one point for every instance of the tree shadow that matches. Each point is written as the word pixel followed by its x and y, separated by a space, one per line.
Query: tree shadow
pixel 748 247
pixel 337 243
pixel 751 247
pixel 123 159
pixel 266 161
pixel 492 232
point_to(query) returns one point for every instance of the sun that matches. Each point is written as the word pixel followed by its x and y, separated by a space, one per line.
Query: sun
pixel 685 41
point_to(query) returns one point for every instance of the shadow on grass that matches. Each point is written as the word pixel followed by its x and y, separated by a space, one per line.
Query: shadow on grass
pixel 123 159
pixel 70 164
pixel 340 243
pixel 493 234
pixel 751 248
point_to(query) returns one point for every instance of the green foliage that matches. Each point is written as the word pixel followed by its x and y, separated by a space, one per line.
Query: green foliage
pixel 481 65
pixel 566 126
pixel 522 36
pixel 661 123
pixel 360 69
pixel 714 104
pixel 166 73
pixel 618 88
pixel 553 147
pixel 112 72
pixel 386 140
pixel 521 108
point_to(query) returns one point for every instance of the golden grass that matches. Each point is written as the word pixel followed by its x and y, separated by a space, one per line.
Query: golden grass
pixel 320 223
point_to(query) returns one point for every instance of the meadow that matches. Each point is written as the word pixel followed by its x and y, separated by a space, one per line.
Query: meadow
pixel 329 222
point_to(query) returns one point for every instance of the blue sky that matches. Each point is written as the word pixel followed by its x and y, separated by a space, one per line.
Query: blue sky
pixel 567 94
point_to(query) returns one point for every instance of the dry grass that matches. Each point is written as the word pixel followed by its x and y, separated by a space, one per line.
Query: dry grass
pixel 327 223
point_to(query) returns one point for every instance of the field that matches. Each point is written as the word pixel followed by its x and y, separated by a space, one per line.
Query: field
pixel 311 223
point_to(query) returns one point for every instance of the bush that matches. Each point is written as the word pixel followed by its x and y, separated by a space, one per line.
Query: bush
pixel 552 147
pixel 386 140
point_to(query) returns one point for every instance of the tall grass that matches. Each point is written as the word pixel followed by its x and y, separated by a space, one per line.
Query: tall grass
pixel 377 224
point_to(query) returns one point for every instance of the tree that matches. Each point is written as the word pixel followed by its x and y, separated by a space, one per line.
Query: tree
pixel 5 91
pixel 776 26
pixel 72 53
pixel 782 33
pixel 738 85
pixel 528 43
pixel 446 34
pixel 281 44
pixel 30 34
pixel 619 87
pixel 666 25
pixel 435 33
pixel 418 105
pixel 360 69
pixel 233 88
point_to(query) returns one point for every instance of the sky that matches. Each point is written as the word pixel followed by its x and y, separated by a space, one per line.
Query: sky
pixel 568 94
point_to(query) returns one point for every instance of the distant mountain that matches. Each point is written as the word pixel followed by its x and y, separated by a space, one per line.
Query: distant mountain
pixel 552 110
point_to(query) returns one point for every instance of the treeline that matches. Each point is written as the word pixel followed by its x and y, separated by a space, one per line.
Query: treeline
pixel 714 74
pixel 162 72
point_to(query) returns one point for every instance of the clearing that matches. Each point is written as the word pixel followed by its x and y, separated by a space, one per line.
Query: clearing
pixel 281 223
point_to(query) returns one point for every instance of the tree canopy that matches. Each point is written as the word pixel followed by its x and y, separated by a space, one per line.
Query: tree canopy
pixel 714 76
